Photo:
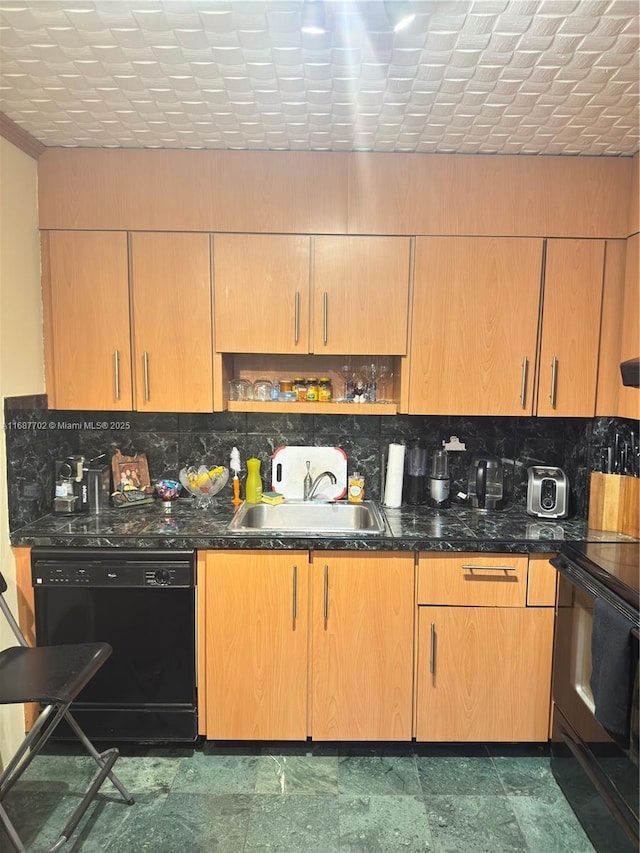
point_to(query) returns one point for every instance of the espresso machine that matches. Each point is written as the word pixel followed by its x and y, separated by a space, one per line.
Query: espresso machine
pixel 82 486
pixel 71 489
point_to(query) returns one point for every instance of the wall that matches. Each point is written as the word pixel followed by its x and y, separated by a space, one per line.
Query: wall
pixel 21 347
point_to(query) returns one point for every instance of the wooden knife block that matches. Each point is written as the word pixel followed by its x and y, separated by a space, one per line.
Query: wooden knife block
pixel 614 504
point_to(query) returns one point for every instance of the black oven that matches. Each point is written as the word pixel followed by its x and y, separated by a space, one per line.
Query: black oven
pixel 594 750
pixel 142 602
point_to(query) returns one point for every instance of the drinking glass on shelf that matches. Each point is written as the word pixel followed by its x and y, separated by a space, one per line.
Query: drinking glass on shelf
pixel 385 375
pixel 347 373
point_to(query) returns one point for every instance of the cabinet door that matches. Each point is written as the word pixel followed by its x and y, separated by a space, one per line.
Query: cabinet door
pixel 171 298
pixel 475 323
pixel 87 338
pixel 361 295
pixel 362 646
pixel 256 645
pixel 629 401
pixel 571 328
pixel 261 293
pixel 484 673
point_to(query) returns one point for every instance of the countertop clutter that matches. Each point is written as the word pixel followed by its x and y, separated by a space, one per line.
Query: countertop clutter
pixel 408 528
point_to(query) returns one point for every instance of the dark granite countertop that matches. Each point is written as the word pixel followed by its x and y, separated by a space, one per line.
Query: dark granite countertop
pixel 408 529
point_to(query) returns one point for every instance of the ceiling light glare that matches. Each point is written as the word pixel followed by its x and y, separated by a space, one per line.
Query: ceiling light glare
pixel 312 17
pixel 399 14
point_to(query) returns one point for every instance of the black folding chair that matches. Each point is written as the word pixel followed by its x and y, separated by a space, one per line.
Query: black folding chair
pixel 52 676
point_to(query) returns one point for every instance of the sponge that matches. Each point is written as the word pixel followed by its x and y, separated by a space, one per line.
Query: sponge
pixel 272 498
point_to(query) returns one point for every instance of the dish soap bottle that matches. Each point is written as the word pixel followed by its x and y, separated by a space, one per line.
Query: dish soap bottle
pixel 253 488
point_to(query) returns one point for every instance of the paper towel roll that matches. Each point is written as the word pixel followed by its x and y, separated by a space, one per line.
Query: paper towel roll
pixel 395 474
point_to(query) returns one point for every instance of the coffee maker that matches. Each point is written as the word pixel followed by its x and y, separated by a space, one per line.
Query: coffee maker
pixel 486 485
pixel 71 489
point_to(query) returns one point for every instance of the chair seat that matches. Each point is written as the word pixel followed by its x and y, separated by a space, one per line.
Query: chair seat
pixel 48 673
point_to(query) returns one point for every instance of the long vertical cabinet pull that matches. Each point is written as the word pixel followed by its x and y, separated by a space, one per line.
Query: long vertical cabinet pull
pixel 296 335
pixel 325 603
pixel 554 381
pixel 295 593
pixel 116 373
pixel 145 367
pixel 325 317
pixel 523 384
pixel 432 653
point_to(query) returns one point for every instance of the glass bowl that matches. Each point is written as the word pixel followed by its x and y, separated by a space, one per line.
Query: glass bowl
pixel 204 483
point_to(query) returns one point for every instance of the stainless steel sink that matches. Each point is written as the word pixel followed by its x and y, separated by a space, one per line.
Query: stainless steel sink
pixel 338 518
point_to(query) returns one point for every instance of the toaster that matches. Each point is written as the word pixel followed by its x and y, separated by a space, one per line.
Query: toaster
pixel 547 492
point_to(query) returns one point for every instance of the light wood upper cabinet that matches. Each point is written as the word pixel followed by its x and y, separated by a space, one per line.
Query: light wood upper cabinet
pixel 86 316
pixel 172 322
pixel 474 327
pixel 573 283
pixel 256 624
pixel 261 293
pixel 362 642
pixel 484 673
pixel 629 398
pixel 361 295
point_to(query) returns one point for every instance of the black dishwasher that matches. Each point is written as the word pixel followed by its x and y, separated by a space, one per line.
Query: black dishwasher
pixel 142 602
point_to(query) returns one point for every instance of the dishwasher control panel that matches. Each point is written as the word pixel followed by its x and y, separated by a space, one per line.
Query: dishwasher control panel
pixel 86 568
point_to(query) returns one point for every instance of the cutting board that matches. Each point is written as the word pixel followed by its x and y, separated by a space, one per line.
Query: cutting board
pixel 288 470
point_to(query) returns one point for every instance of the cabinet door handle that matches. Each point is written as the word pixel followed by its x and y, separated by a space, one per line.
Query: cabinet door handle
pixel 472 568
pixel 325 317
pixel 325 604
pixel 295 593
pixel 554 381
pixel 296 335
pixel 145 367
pixel 116 373
pixel 523 383
pixel 432 650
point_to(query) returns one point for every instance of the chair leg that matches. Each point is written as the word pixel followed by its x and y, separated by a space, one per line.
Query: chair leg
pixel 100 758
pixel 40 733
pixel 13 835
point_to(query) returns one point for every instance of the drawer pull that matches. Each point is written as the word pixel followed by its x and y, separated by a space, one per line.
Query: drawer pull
pixel 145 368
pixel 472 568
pixel 116 373
pixel 296 334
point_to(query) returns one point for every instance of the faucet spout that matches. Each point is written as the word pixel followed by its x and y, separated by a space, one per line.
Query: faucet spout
pixel 310 491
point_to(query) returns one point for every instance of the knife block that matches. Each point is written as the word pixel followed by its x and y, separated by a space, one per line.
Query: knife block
pixel 614 503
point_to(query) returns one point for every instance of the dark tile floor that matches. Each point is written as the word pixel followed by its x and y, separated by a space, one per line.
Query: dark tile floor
pixel 311 798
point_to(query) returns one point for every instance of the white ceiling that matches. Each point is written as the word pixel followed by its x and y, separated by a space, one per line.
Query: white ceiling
pixel 468 76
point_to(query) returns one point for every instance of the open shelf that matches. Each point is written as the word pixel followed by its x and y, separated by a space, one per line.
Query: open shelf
pixel 314 408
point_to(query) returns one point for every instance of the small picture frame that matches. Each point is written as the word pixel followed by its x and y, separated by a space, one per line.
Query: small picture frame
pixel 130 473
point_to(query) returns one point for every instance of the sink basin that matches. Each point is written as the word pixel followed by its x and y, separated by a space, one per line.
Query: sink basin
pixel 309 517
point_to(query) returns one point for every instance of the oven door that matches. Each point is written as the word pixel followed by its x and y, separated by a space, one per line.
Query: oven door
pixel 598 775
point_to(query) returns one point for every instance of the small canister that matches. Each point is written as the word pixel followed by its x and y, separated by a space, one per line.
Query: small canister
pixel 325 390
pixel 312 389
pixel 286 385
pixel 355 491
pixel 300 387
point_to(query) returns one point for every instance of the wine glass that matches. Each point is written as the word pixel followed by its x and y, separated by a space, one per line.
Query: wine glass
pixel 385 374
pixel 347 373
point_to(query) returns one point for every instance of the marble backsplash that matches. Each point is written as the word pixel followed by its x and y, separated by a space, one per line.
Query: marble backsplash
pixel 36 436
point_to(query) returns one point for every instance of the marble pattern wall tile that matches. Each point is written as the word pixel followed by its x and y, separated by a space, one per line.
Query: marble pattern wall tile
pixel 172 440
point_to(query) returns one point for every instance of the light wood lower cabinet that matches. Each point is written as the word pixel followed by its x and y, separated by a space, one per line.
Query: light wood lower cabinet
pixel 256 628
pixel 261 683
pixel 362 646
pixel 484 673
pixel 484 655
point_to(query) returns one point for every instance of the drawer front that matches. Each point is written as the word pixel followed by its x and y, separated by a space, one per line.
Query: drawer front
pixel 543 580
pixel 491 580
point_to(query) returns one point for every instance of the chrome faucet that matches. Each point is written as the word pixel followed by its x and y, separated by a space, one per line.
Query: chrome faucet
pixel 310 489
